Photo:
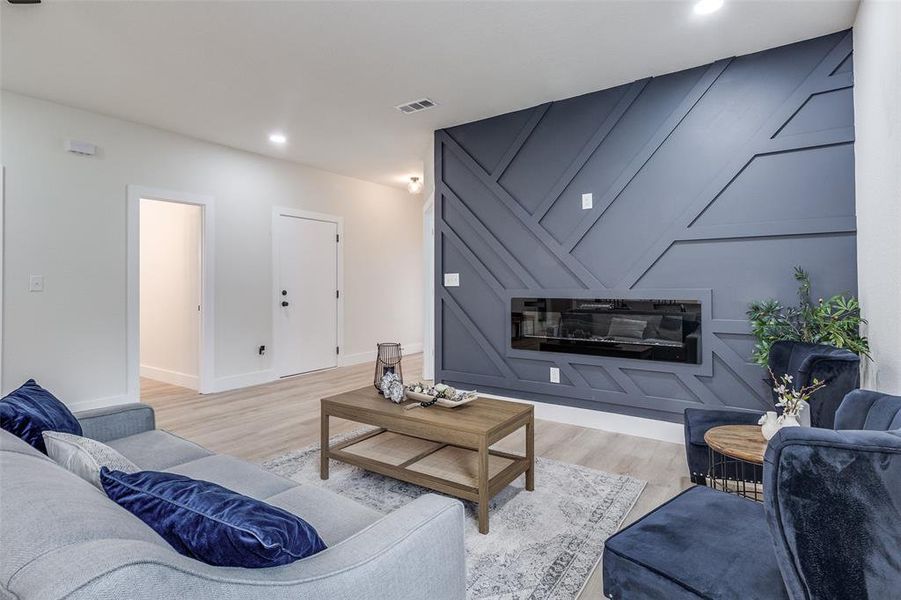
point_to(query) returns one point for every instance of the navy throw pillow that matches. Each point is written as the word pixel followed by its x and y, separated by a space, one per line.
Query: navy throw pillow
pixel 31 410
pixel 210 523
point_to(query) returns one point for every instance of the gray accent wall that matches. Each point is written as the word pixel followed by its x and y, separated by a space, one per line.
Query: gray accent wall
pixel 709 183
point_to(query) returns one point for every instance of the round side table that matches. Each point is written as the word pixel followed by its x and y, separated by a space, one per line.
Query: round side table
pixel 736 460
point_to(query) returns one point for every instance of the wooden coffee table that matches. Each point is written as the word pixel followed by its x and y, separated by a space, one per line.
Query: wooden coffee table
pixel 736 459
pixel 444 449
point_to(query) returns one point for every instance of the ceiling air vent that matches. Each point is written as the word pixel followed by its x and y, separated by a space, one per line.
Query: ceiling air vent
pixel 416 106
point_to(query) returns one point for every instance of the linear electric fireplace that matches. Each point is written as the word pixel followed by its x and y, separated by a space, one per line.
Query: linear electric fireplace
pixel 646 329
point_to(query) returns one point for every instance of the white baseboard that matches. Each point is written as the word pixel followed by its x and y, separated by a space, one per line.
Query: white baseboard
pixel 243 380
pixel 370 355
pixel 663 431
pixel 173 377
pixel 100 403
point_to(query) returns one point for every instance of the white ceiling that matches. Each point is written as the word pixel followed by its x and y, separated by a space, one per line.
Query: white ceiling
pixel 328 74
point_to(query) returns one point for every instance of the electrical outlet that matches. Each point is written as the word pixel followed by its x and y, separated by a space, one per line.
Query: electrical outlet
pixel 451 280
pixel 555 375
pixel 36 283
pixel 587 201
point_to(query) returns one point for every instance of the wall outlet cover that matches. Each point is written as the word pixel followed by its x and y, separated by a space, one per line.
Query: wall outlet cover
pixel 587 201
pixel 555 375
pixel 451 280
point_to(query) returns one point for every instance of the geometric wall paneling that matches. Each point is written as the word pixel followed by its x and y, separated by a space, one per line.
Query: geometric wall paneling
pixel 778 187
pixel 460 352
pixel 535 370
pixel 487 145
pixel 598 378
pixel 741 344
pixel 847 66
pixel 708 184
pixel 606 169
pixel 565 128
pixel 822 111
pixel 742 269
pixel 484 309
pixel 660 385
pixel 465 231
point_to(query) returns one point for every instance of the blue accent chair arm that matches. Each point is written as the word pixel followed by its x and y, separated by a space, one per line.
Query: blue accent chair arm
pixel 696 423
pixel 114 422
pixel 833 507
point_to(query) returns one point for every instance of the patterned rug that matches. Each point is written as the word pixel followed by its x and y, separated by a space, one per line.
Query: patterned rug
pixel 542 545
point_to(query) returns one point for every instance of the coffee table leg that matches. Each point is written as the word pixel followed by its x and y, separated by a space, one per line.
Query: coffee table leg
pixel 323 446
pixel 530 454
pixel 483 486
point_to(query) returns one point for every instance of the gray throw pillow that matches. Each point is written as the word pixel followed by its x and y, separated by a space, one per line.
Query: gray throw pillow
pixel 84 456
pixel 626 328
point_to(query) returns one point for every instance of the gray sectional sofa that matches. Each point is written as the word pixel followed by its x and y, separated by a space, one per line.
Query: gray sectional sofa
pixel 60 537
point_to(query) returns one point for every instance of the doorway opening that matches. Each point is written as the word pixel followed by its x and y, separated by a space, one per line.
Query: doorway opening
pixel 307 302
pixel 171 259
pixel 170 289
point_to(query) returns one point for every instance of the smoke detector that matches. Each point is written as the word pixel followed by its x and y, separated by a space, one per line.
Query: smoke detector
pixel 416 106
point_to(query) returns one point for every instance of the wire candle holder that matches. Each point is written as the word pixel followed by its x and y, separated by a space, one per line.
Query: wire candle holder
pixel 388 361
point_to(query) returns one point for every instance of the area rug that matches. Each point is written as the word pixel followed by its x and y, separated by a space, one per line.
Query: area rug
pixel 542 545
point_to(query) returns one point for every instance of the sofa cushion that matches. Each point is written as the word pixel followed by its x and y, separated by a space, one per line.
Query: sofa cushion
pixel 14 444
pixel 158 450
pixel 701 544
pixel 44 508
pixel 213 524
pixel 335 517
pixel 84 456
pixel 30 410
pixel 234 474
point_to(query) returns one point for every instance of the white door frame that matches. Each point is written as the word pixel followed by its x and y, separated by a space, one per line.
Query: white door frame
pixel 283 211
pixel 428 289
pixel 207 283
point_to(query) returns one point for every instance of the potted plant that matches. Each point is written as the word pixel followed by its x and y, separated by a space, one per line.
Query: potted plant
pixel 834 321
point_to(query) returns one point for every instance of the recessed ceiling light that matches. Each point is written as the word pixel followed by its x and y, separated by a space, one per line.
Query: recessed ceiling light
pixel 277 138
pixel 705 7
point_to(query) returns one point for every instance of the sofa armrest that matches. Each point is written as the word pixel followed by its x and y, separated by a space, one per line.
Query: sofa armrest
pixel 114 422
pixel 696 423
pixel 413 553
pixel 833 506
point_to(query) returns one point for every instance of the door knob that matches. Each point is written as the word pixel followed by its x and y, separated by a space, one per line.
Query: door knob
pixel 284 292
pixel 284 303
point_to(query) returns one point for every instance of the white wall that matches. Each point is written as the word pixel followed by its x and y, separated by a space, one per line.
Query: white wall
pixel 170 291
pixel 65 219
pixel 877 149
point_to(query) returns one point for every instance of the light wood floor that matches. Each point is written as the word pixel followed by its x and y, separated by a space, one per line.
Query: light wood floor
pixel 271 419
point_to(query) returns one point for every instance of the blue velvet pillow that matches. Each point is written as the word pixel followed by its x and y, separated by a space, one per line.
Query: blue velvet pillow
pixel 31 410
pixel 211 523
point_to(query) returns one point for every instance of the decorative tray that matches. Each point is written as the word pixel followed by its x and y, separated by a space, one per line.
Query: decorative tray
pixel 465 398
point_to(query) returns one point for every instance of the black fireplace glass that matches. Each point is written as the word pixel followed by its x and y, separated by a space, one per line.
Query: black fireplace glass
pixel 645 329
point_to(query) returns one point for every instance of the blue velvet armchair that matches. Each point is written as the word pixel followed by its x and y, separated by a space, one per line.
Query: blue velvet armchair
pixel 839 368
pixel 829 526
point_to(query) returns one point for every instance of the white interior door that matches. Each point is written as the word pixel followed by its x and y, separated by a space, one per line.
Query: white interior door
pixel 306 325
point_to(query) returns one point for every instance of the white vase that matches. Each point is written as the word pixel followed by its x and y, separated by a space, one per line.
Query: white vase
pixel 769 424
pixel 804 417
pixel 788 421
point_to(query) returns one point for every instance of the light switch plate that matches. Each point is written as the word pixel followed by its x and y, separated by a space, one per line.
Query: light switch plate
pixel 587 201
pixel 451 280
pixel 36 283
pixel 555 375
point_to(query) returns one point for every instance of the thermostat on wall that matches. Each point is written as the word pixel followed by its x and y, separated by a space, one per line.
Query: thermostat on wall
pixel 80 148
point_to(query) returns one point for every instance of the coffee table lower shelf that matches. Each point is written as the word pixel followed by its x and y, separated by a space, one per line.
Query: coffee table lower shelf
pixel 441 467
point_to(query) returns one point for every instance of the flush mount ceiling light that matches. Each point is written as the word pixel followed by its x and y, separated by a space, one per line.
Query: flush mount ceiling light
pixel 278 138
pixel 705 7
pixel 415 185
